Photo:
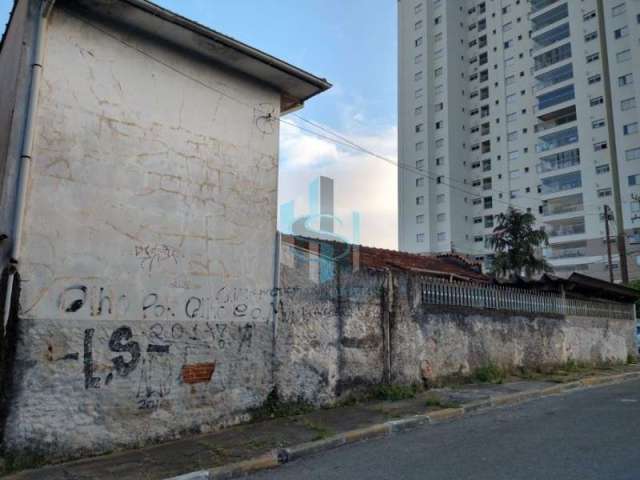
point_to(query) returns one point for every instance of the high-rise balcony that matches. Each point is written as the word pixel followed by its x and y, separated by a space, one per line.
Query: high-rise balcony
pixel 552 36
pixel 562 205
pixel 561 183
pixel 567 250
pixel 556 97
pixel 573 226
pixel 552 57
pixel 557 139
pixel 550 17
pixel 537 5
pixel 553 77
pixel 559 161
pixel 556 118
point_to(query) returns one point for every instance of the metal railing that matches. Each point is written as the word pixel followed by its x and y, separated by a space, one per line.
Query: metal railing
pixel 495 297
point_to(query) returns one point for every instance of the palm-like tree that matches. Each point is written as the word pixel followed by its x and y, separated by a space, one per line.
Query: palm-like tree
pixel 517 242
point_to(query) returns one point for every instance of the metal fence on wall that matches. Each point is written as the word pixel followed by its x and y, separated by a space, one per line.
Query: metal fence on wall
pixel 494 297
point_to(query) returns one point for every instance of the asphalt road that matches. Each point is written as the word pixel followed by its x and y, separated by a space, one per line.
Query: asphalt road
pixel 586 434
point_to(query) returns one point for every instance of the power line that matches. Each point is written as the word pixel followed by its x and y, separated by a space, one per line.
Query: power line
pixel 336 138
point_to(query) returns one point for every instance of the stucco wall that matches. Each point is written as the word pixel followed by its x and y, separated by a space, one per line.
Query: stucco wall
pixel 148 246
pixel 433 341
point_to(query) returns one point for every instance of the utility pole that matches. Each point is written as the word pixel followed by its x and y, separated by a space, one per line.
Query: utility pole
pixel 615 173
pixel 606 229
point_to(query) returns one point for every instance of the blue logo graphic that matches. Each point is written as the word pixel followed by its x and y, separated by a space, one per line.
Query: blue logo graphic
pixel 320 223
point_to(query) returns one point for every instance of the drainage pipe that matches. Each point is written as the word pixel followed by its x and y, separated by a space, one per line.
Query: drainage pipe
pixel 26 151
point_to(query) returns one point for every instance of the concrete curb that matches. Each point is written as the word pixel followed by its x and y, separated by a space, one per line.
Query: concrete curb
pixel 282 456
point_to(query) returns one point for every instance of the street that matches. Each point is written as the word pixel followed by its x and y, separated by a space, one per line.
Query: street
pixel 587 434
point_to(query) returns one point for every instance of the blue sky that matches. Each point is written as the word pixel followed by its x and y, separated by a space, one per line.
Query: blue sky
pixel 353 44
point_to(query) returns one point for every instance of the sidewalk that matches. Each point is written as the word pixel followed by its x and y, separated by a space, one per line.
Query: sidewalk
pixel 274 441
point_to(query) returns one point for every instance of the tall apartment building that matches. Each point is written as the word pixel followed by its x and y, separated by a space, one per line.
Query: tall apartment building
pixel 502 102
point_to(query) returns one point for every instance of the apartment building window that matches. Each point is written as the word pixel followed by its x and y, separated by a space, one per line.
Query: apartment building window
pixel 487 202
pixel 512 136
pixel 475 183
pixel 477 220
pixel 478 238
pixel 418 8
pixel 589 15
pixel 512 117
pixel 439 161
pixel 594 102
pixel 419 127
pixel 439 89
pixel 418 110
pixel 440 198
pixel 514 174
pixel 418 25
pixel 623 56
pixel 419 219
pixel 419 93
pixel 510 80
pixel 420 164
pixel 488 221
pixel 420 182
pixel 621 32
pixel 420 200
pixel 437 20
pixel 420 237
pixel 594 79
pixel 438 37
pixel 486 183
pixel 628 104
pixel 602 169
pixel 439 124
pixel 593 57
pixel 439 179
pixel 439 107
pixel 599 146
pixel 418 76
pixel 511 98
pixel 419 41
pixel 625 80
pixel 604 192
pixel 513 155
pixel 507 27
pixel 630 128
pixel 599 123
pixel 634 180
pixel 441 236
pixel 590 36
pixel 514 194
pixel 633 154
pixel 476 201
pixel 508 44
pixel 419 146
pixel 441 217
pixel 440 143
pixel 618 9
pixel 438 72
pixel 486 165
pixel 508 62
pixel 438 53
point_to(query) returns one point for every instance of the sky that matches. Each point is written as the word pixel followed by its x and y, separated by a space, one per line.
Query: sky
pixel 351 43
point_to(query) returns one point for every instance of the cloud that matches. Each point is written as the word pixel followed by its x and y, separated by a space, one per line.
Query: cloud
pixel 362 183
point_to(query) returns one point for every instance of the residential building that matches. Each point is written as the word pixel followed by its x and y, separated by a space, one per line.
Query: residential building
pixel 138 185
pixel 502 103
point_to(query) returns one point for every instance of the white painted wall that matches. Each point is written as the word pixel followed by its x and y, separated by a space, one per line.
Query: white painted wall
pixel 148 246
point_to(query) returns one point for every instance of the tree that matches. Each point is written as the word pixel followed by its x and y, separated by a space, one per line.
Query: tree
pixel 517 242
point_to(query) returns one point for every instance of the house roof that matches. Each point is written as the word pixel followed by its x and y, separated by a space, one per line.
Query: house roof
pixel 580 285
pixel 379 258
pixel 294 84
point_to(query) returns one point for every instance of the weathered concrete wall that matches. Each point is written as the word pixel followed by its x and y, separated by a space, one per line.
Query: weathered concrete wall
pixel 330 337
pixel 431 341
pixel 148 247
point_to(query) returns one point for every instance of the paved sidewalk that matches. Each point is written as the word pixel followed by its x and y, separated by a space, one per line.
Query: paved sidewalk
pixel 249 441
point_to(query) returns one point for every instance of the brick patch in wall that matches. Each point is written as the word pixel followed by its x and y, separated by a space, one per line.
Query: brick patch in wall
pixel 197 372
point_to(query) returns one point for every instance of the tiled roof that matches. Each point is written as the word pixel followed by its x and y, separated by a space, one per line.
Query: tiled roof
pixel 379 258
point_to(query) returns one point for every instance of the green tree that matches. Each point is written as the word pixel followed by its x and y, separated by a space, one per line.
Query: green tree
pixel 517 242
